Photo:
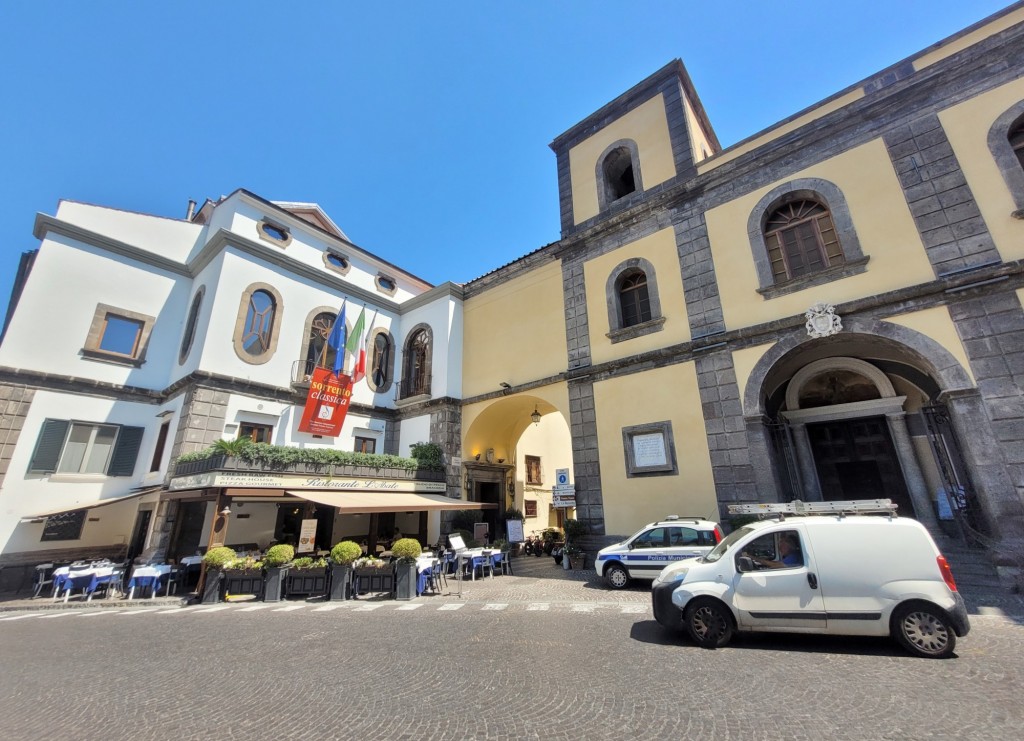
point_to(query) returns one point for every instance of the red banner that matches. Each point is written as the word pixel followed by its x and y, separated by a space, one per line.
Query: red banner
pixel 326 404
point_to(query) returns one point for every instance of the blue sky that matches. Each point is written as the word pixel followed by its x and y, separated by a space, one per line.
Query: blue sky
pixel 421 128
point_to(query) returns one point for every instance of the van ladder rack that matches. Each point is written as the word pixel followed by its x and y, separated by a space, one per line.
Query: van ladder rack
pixel 796 507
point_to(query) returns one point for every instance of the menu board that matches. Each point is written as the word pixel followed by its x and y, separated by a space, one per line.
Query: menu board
pixel 514 530
pixel 307 536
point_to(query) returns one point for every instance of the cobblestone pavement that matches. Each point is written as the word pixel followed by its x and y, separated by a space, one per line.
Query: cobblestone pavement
pixel 542 655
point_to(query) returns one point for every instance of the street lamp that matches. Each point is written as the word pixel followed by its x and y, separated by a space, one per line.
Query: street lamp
pixel 535 416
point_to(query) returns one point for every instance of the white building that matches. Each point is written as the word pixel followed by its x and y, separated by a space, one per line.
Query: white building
pixel 131 339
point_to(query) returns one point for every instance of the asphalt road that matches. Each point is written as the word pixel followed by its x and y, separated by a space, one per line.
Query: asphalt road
pixel 592 665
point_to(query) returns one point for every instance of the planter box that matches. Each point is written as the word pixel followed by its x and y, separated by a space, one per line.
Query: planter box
pixel 308 582
pixel 273 586
pixel 341 582
pixel 243 582
pixel 405 581
pixel 211 587
pixel 365 581
pixel 578 561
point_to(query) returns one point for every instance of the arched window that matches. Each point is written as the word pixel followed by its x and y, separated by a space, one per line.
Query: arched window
pixel 258 324
pixel 190 325
pixel 618 172
pixel 801 239
pixel 416 367
pixel 1006 143
pixel 382 361
pixel 634 300
pixel 317 351
pixel 634 306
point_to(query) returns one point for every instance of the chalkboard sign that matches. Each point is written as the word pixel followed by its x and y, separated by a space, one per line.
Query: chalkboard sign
pixel 514 529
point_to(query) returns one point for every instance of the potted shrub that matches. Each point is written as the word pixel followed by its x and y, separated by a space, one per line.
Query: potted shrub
pixel 307 576
pixel 370 574
pixel 342 557
pixel 243 576
pixel 216 561
pixel 574 532
pixel 276 562
pixel 405 551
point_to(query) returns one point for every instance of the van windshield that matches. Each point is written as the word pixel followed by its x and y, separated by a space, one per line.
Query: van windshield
pixel 727 543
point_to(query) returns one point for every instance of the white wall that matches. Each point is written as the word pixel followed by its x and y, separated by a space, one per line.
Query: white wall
pixel 173 239
pixel 412 431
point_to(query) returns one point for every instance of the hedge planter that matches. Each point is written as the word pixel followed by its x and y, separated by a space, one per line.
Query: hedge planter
pixel 405 581
pixel 341 581
pixel 366 581
pixel 578 561
pixel 273 588
pixel 306 582
pixel 243 581
pixel 211 587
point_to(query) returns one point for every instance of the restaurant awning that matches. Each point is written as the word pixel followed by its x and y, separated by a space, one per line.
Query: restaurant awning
pixel 92 505
pixel 353 502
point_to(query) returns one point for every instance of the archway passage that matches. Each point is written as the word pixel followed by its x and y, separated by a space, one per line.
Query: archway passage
pixel 856 459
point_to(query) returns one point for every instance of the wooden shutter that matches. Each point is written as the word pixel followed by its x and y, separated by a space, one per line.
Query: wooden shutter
pixel 49 446
pixel 126 451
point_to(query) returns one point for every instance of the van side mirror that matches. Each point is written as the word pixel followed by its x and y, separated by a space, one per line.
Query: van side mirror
pixel 744 564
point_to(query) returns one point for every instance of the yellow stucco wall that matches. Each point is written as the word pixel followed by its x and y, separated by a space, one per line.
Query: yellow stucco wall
pixel 958 45
pixel 880 215
pixel 660 250
pixel 780 130
pixel 937 324
pixel 663 394
pixel 699 144
pixel 743 362
pixel 499 423
pixel 514 332
pixel 647 125
pixel 967 126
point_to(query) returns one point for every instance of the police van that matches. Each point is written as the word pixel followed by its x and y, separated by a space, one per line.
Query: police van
pixel 818 567
pixel 644 554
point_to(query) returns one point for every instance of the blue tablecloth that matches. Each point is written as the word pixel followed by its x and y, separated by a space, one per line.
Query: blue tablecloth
pixel 146 582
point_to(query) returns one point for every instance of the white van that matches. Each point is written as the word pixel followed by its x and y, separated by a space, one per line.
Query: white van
pixel 836 574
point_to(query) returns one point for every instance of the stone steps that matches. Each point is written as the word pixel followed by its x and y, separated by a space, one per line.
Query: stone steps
pixel 971 567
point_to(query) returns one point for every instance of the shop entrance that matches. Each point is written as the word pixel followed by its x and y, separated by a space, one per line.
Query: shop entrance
pixel 856 459
pixel 191 516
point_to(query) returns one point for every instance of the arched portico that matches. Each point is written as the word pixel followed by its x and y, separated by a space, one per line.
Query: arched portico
pixel 851 414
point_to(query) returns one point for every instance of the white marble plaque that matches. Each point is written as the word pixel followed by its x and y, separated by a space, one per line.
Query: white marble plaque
pixel 649 450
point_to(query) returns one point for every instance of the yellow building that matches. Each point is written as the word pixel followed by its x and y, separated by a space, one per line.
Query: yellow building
pixel 828 310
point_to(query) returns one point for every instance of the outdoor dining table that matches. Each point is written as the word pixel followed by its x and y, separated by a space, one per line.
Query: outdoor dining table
pixel 424 569
pixel 87 578
pixel 148 577
pixel 473 559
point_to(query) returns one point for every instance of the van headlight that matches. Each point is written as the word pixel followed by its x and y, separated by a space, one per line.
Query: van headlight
pixel 672 578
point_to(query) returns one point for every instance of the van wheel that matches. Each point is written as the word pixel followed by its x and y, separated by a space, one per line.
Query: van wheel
pixel 924 630
pixel 708 622
pixel 616 577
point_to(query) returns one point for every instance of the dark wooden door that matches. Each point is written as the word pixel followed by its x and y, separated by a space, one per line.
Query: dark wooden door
pixel 856 459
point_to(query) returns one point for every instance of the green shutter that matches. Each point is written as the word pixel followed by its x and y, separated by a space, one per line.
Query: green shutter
pixel 49 446
pixel 126 452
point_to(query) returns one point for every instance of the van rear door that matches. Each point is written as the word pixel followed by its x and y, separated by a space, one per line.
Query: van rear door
pixel 776 585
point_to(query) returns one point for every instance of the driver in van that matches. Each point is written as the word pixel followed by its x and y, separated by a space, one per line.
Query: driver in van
pixel 789 554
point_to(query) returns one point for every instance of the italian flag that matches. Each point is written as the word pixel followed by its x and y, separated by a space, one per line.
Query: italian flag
pixel 357 347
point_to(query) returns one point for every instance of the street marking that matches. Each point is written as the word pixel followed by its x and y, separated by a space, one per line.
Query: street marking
pixel 367 608
pixel 101 612
pixel 137 611
pixel 539 606
pixel 410 607
pixel 328 608
pixel 19 617
pixel 252 608
pixel 452 606
pixel 626 609
pixel 494 606
pixel 216 608
pixel 289 608
pixel 176 611
pixel 59 614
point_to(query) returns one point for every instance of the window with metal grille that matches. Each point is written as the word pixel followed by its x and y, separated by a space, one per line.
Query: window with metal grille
pixel 634 299
pixel 801 240
pixel 416 375
pixel 318 352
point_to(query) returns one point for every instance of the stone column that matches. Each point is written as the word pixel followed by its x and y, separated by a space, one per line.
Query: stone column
pixel 805 460
pixel 765 463
pixel 924 512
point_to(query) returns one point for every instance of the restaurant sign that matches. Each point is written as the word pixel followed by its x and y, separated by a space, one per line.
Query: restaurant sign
pixel 258 480
pixel 307 536
pixel 326 403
